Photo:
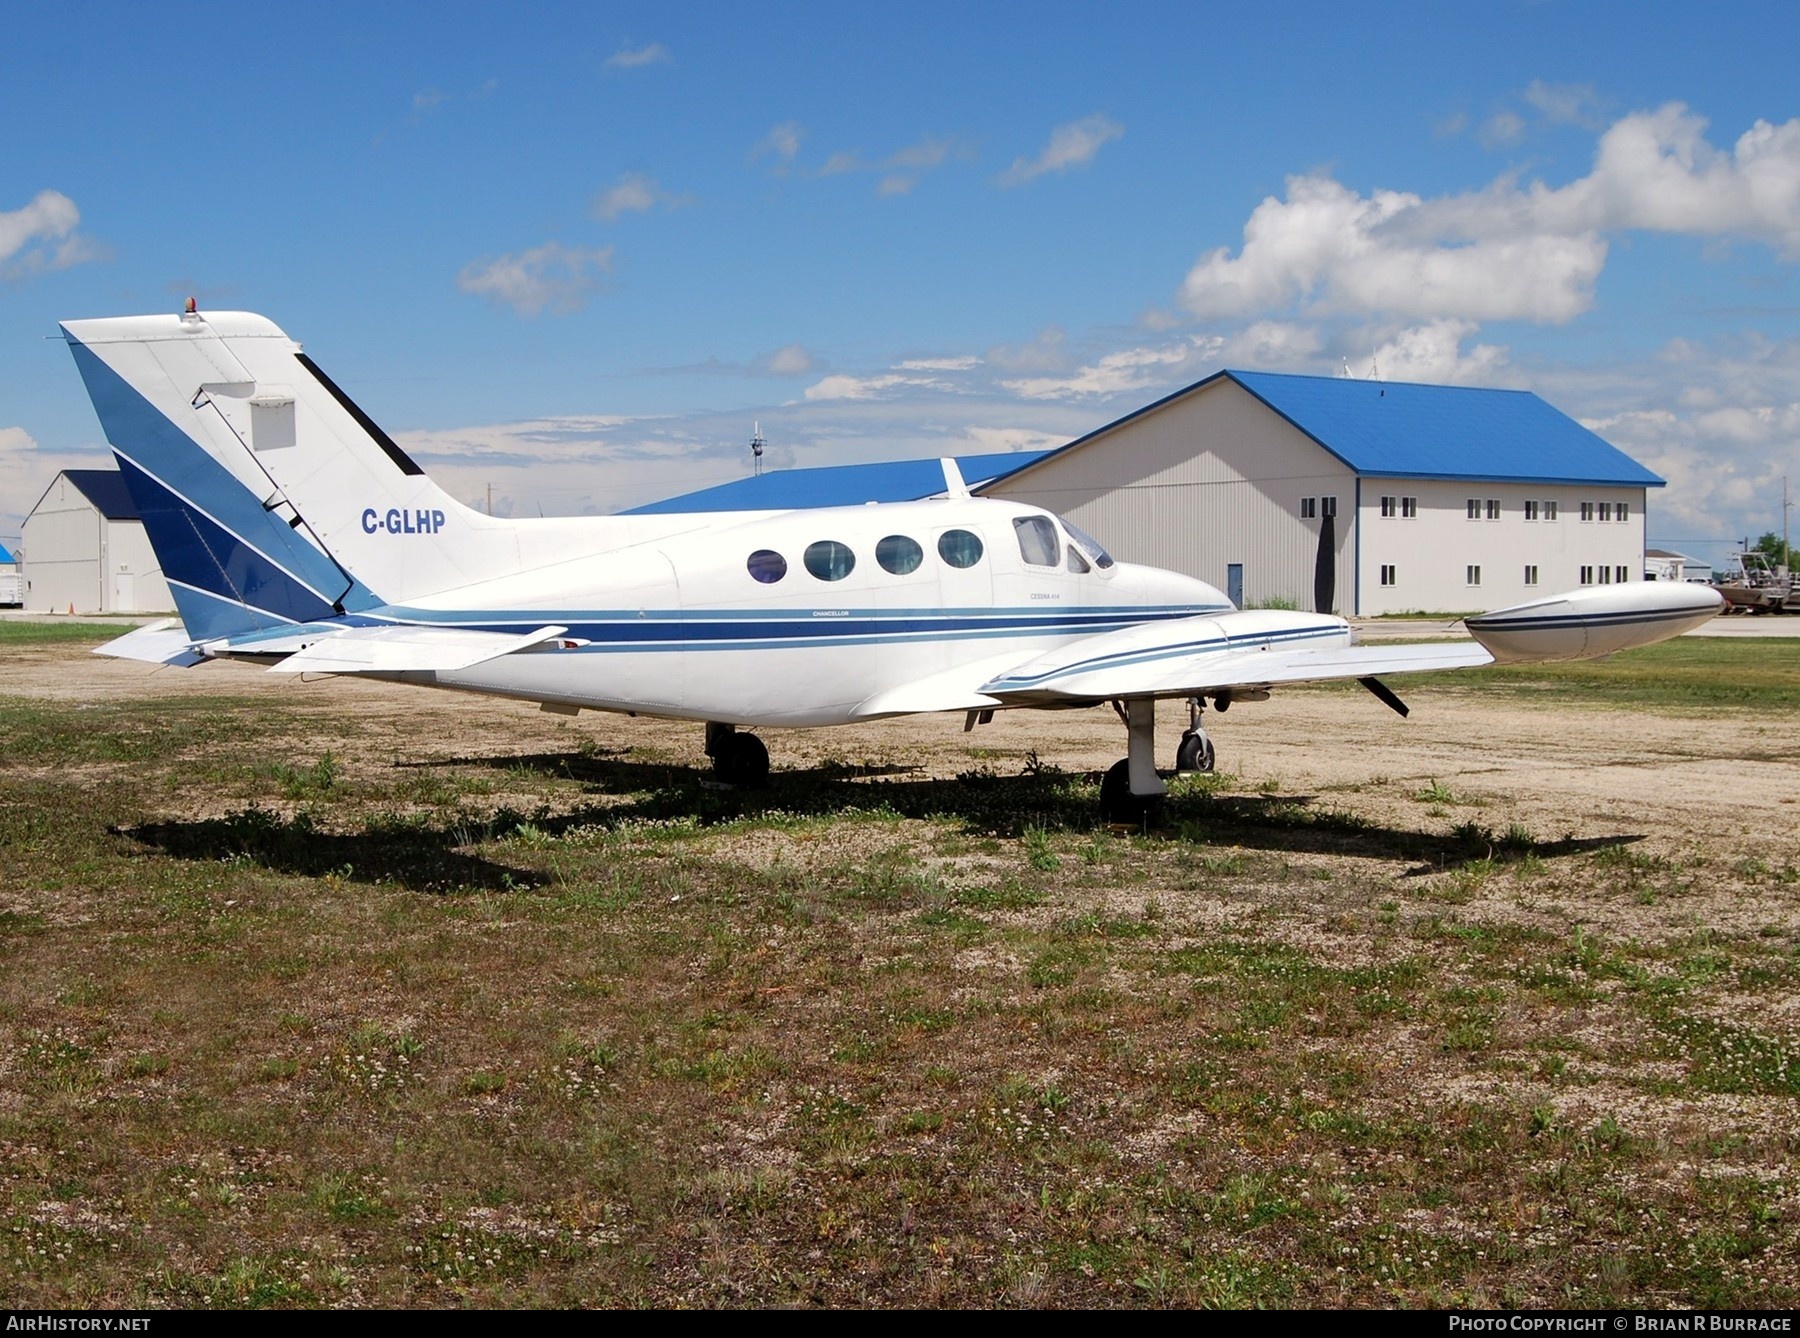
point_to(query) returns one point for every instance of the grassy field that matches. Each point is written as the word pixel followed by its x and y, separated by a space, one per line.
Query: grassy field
pixel 296 1013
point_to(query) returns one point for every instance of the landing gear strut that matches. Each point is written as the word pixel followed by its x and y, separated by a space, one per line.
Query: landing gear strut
pixel 738 759
pixel 1132 791
pixel 1195 751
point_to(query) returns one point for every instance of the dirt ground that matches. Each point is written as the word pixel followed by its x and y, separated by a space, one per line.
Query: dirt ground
pixel 1239 1008
pixel 1562 769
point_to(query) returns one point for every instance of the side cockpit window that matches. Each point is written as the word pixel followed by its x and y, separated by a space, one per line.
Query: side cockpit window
pixel 1090 546
pixel 1038 543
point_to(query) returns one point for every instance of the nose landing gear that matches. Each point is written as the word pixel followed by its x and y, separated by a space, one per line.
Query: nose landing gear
pixel 1195 751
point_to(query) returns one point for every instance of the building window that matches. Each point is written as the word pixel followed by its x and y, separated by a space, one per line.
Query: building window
pixel 1622 511
pixel 1474 508
pixel 1587 512
pixel 1493 508
pixel 1549 510
pixel 1409 508
pixel 1531 511
pixel 1390 506
pixel 1328 506
pixel 1309 508
pixel 1605 575
pixel 1622 574
pixel 1387 574
pixel 1474 574
pixel 1605 512
pixel 1530 575
pixel 1587 575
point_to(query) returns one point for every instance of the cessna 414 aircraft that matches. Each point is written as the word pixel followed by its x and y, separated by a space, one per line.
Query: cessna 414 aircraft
pixel 295 534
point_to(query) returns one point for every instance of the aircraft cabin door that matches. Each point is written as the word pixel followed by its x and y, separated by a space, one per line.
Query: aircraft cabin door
pixel 965 575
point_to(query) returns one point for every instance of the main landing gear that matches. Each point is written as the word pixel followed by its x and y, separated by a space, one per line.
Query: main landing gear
pixel 1132 792
pixel 738 759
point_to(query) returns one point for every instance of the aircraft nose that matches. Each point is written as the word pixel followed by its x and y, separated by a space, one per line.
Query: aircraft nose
pixel 1156 585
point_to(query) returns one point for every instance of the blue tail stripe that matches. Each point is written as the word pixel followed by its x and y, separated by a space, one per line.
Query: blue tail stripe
pixel 210 617
pixel 184 470
pixel 196 553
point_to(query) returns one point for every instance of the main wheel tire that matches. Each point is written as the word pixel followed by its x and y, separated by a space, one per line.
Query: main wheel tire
pixel 742 760
pixel 1119 804
pixel 1194 753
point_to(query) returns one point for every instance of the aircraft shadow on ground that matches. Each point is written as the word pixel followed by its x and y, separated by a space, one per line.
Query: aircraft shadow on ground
pixel 417 856
pixel 425 856
pixel 1041 798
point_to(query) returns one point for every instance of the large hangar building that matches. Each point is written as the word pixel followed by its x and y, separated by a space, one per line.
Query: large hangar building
pixel 85 549
pixel 1361 497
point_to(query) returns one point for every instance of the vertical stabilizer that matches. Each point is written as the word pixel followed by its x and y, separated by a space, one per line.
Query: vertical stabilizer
pixel 201 406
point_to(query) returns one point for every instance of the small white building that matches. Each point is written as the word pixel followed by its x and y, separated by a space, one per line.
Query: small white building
pixel 85 549
pixel 12 584
pixel 1356 497
pixel 1662 564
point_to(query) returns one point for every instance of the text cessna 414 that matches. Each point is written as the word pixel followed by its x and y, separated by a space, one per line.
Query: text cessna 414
pixel 294 533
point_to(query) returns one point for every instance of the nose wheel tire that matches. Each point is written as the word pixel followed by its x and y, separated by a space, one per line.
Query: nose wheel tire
pixel 1195 752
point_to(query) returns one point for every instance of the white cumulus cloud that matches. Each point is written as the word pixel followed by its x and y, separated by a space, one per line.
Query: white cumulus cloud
pixel 635 192
pixel 1071 145
pixel 635 58
pixel 551 277
pixel 1433 352
pixel 1131 369
pixel 1508 252
pixel 782 144
pixel 790 360
pixel 42 236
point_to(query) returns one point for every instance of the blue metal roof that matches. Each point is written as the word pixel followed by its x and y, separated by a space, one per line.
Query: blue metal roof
pixel 1399 429
pixel 106 489
pixel 1396 429
pixel 840 485
pixel 6 558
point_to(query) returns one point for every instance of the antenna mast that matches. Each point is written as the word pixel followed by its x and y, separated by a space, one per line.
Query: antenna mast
pixel 756 449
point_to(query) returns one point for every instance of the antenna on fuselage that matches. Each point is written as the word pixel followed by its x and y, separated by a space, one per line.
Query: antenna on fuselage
pixel 756 448
pixel 953 479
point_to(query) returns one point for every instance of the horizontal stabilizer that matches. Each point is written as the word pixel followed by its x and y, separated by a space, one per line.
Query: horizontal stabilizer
pixel 165 642
pixel 399 650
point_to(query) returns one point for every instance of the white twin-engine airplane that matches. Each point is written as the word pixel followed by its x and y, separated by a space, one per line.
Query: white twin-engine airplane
pixel 294 533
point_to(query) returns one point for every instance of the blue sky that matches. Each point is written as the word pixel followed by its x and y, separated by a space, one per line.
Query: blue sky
pixel 575 252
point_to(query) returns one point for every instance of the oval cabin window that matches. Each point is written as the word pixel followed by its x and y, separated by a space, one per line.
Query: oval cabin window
pixel 959 548
pixel 899 555
pixel 767 566
pixel 829 560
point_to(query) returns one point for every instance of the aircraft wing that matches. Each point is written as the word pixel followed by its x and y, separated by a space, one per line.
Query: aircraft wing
pixel 1193 657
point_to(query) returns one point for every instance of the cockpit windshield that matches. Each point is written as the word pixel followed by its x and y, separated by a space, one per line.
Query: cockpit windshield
pixel 1088 544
